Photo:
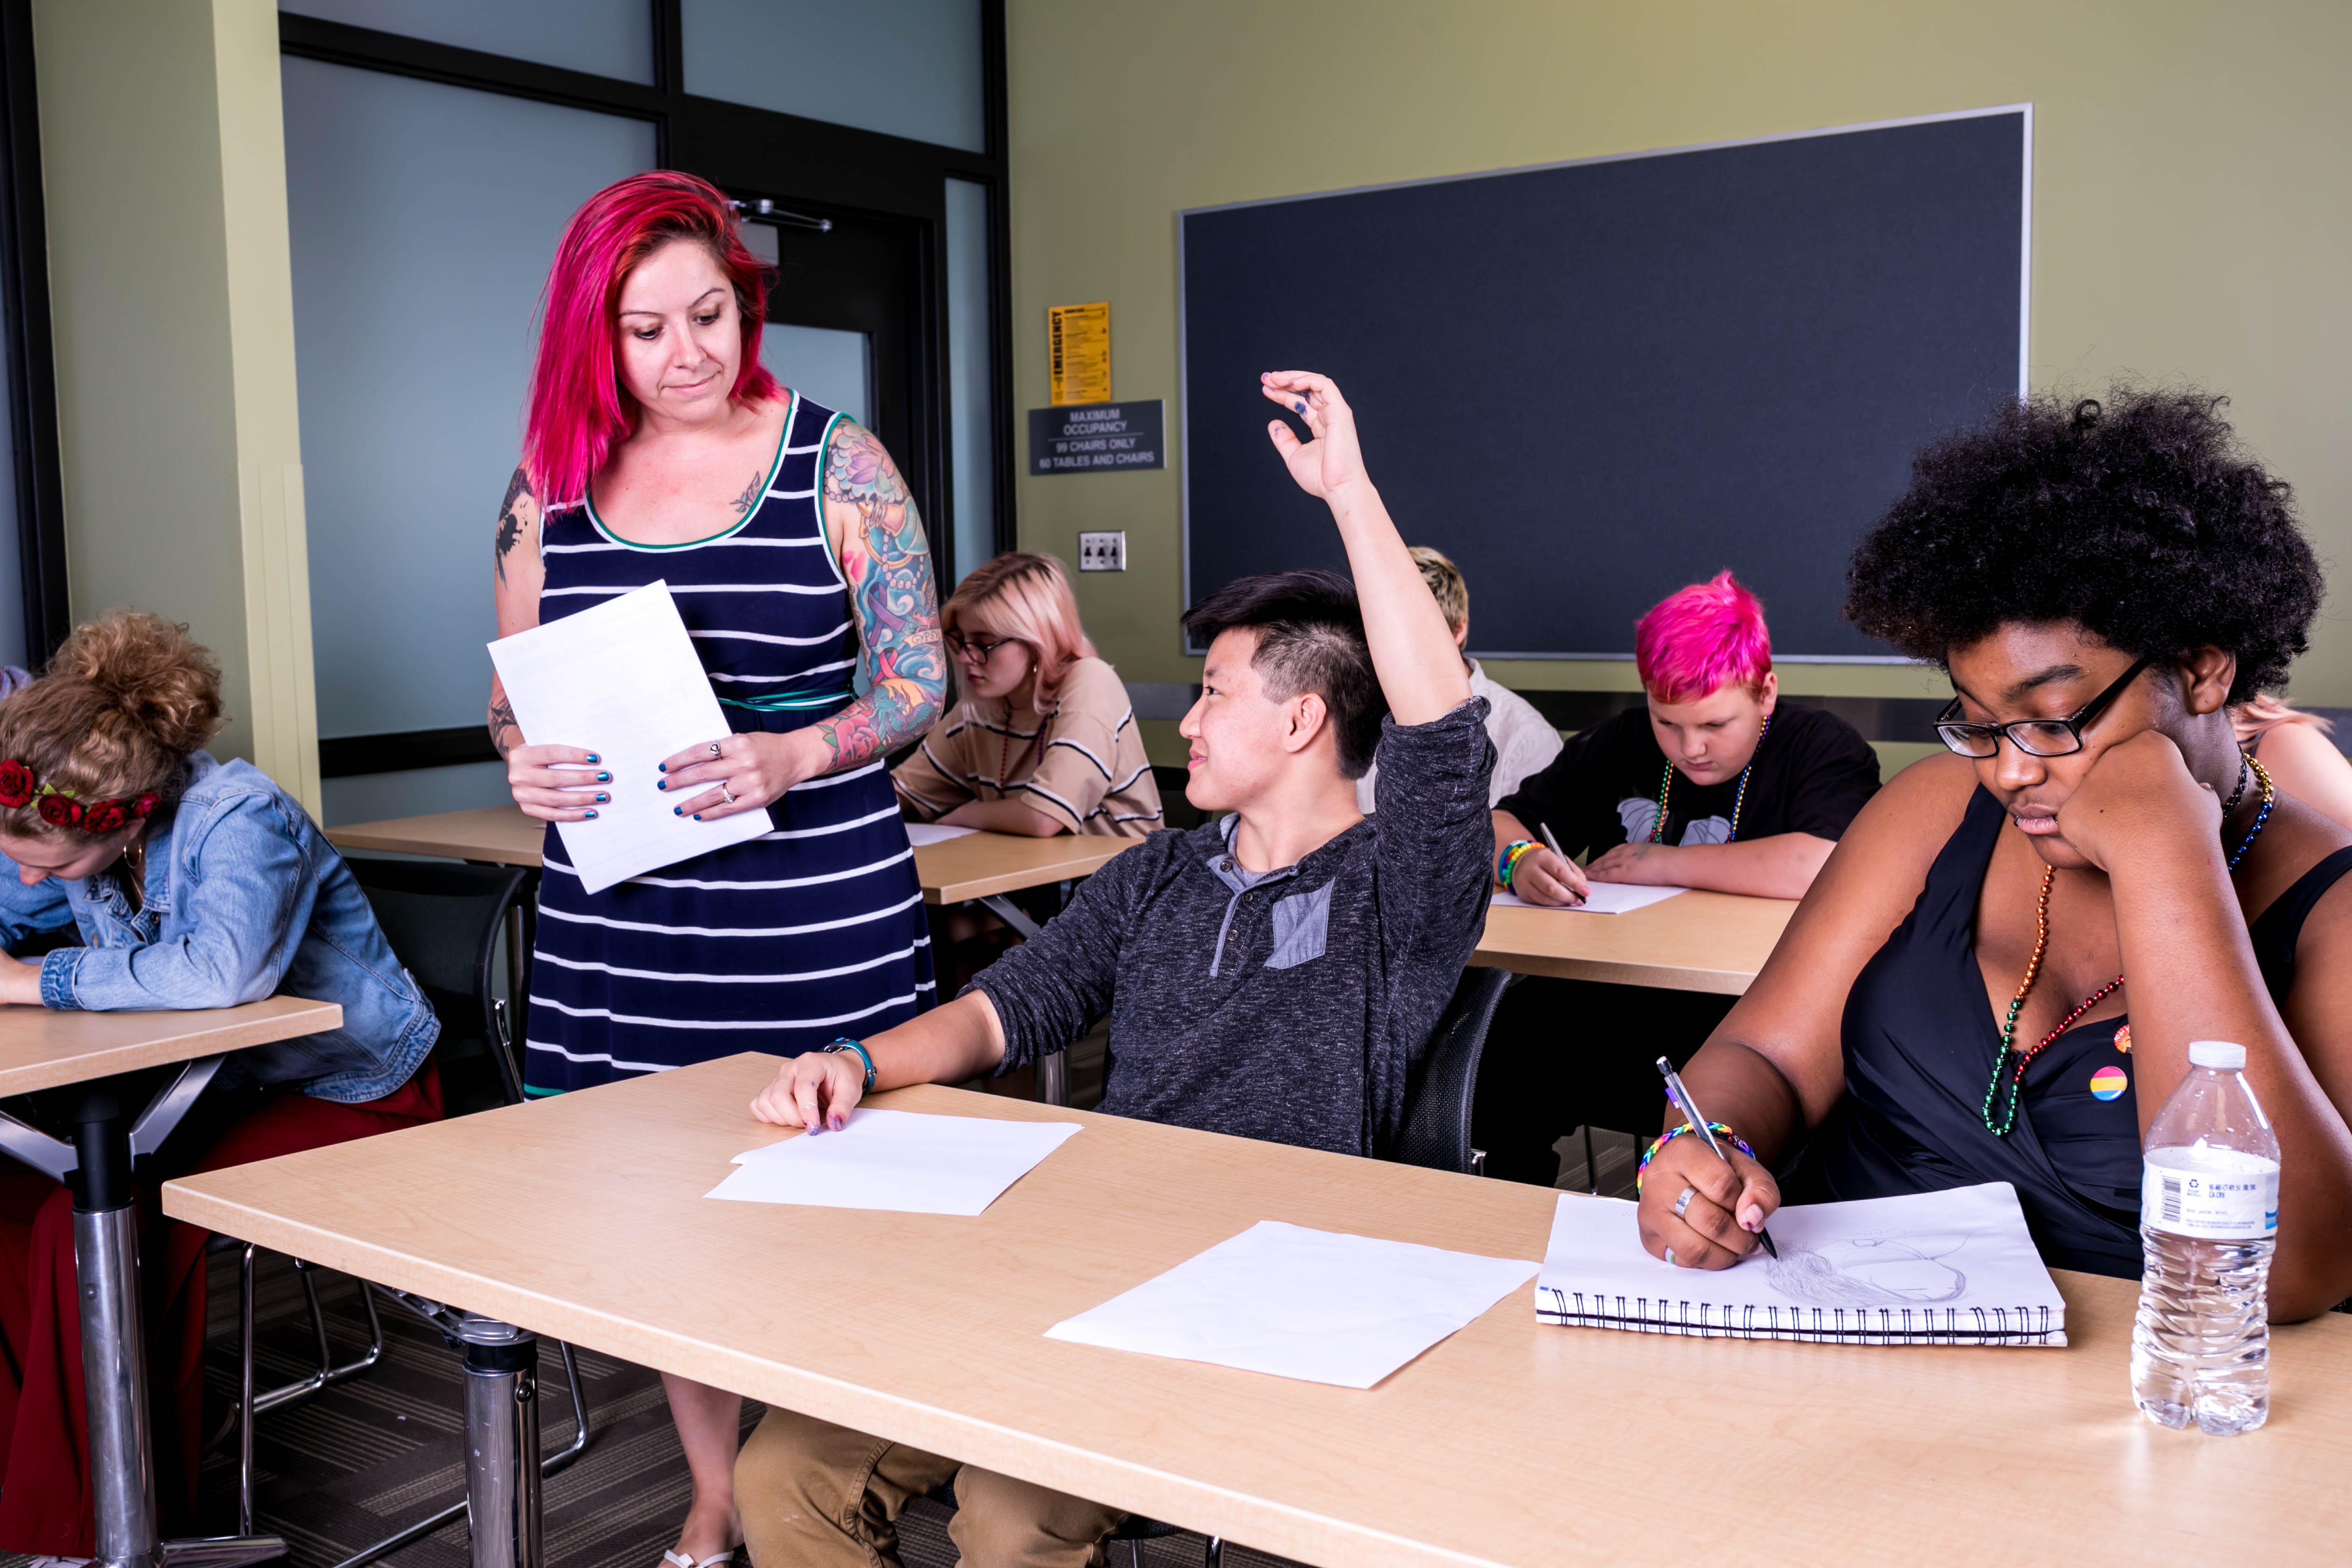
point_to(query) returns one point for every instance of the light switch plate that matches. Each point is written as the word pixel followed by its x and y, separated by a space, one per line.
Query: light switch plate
pixel 1102 552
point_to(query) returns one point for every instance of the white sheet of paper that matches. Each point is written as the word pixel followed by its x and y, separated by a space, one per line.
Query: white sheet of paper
pixel 1309 1304
pixel 622 680
pixel 921 833
pixel 1602 898
pixel 1963 1249
pixel 900 1159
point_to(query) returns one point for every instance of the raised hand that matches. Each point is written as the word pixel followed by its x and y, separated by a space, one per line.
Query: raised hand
pixel 1330 462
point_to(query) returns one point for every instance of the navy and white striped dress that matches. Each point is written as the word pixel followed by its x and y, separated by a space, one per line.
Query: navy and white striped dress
pixel 784 942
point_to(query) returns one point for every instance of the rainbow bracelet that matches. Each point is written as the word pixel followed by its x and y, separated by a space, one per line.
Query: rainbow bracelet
pixel 1718 1128
pixel 1508 860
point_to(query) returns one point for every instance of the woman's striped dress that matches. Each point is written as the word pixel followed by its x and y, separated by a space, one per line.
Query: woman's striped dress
pixel 780 943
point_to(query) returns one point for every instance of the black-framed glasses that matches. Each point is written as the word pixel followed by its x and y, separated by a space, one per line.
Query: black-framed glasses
pixel 976 648
pixel 2035 737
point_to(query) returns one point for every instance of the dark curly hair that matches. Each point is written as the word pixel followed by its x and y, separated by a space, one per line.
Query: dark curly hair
pixel 2141 518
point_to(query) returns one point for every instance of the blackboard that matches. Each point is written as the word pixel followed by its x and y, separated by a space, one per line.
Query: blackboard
pixel 1592 382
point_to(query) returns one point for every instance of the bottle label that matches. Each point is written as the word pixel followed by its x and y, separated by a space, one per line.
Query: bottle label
pixel 2236 1200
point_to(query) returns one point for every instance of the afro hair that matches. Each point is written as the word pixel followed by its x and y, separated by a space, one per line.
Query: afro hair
pixel 2141 519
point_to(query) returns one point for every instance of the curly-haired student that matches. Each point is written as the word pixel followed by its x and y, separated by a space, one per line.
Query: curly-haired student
pixel 189 882
pixel 2102 581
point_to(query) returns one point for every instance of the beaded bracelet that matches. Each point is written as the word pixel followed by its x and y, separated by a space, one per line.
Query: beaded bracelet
pixel 1718 1128
pixel 1508 860
pixel 846 1044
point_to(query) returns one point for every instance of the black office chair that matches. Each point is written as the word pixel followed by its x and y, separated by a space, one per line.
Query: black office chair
pixel 1175 810
pixel 1436 1130
pixel 443 920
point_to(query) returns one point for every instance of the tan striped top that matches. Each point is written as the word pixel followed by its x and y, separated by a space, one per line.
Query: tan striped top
pixel 1083 764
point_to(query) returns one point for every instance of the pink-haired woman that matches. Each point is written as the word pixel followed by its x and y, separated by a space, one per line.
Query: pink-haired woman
pixel 659 447
pixel 1043 741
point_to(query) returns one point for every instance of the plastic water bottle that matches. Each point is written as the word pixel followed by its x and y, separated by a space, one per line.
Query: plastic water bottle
pixel 2209 1221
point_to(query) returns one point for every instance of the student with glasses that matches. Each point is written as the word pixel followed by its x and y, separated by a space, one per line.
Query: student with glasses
pixel 1044 739
pixel 1997 973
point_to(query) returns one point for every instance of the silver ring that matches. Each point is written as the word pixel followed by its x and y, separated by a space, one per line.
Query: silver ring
pixel 714 748
pixel 1682 1202
pixel 1669 1259
pixel 724 791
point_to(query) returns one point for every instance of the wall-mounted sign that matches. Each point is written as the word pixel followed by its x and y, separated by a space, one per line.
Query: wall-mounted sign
pixel 1078 353
pixel 1100 437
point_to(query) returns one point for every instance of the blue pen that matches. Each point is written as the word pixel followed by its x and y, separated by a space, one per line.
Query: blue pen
pixel 1689 1111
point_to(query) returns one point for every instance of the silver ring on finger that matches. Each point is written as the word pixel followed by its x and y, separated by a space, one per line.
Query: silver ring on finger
pixel 1669 1259
pixel 1682 1202
pixel 714 748
pixel 728 794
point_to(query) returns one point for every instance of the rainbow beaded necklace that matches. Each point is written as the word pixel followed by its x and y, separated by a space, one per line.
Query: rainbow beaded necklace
pixel 1658 828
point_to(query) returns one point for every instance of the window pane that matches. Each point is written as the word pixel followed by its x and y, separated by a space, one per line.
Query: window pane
pixel 906 67
pixel 970 381
pixel 423 217
pixel 822 364
pixel 608 38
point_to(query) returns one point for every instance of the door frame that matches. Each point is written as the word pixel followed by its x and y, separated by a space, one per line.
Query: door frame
pixel 802 164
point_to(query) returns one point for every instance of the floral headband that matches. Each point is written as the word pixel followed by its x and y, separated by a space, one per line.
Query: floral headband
pixel 59 808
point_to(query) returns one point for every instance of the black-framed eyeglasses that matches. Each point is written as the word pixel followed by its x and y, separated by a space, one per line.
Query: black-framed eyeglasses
pixel 978 649
pixel 2035 737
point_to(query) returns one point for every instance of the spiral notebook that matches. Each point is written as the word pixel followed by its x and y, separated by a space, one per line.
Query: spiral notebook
pixel 1927 1269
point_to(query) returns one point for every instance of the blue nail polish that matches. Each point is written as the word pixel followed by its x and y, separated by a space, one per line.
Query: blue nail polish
pixel 661 767
pixel 678 811
pixel 594 759
pixel 661 784
pixel 592 815
pixel 1300 406
pixel 697 817
pixel 604 778
pixel 603 800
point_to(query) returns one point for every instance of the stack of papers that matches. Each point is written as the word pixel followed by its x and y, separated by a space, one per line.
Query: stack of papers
pixel 898 1160
pixel 921 833
pixel 1308 1304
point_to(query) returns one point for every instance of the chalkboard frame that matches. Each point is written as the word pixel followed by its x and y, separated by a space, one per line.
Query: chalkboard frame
pixel 2023 110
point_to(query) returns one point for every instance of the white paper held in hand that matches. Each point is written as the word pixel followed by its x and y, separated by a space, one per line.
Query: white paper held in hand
pixel 1601 898
pixel 1316 1305
pixel 900 1159
pixel 621 680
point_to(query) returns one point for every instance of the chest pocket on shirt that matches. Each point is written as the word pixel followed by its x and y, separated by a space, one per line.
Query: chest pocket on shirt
pixel 1302 926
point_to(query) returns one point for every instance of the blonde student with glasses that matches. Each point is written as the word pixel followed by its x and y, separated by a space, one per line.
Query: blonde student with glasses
pixel 1044 739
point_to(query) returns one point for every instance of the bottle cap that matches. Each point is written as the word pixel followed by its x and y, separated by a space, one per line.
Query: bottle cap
pixel 2226 1055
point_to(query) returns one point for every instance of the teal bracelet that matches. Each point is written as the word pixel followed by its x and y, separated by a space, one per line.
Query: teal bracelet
pixel 846 1044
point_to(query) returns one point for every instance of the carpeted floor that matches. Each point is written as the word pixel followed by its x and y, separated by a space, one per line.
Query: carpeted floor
pixel 372 1454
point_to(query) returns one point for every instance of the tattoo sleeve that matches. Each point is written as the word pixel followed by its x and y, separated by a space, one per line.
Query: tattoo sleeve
pixel 889 566
pixel 505 733
pixel 513 525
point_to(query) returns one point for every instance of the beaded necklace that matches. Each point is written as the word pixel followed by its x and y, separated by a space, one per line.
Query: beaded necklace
pixel 1658 828
pixel 2016 1079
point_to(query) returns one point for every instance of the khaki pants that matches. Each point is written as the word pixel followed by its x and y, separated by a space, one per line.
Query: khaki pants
pixel 815 1495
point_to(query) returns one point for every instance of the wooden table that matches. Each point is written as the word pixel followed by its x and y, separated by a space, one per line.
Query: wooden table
pixel 977 866
pixel 45 1049
pixel 1692 942
pixel 1509 1443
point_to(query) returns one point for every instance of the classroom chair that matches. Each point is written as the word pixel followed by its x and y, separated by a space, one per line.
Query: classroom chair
pixel 1436 1130
pixel 444 922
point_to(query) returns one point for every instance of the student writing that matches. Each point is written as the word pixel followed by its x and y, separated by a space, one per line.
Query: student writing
pixel 1274 974
pixel 1948 1006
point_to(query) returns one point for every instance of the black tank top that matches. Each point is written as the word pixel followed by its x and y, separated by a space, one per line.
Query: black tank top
pixel 1920 1044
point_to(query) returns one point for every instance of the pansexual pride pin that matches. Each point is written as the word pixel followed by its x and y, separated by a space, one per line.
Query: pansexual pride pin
pixel 2108 1083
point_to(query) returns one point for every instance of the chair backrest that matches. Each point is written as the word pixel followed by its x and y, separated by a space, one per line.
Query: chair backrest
pixel 1436 1130
pixel 1175 810
pixel 442 919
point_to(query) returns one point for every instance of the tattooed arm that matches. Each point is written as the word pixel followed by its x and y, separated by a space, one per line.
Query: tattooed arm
pixel 871 521
pixel 518 574
pixel 880 539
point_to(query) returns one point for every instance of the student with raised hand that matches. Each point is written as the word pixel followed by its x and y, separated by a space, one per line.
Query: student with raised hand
pixel 192 883
pixel 1949 1006
pixel 1275 974
pixel 1524 740
pixel 1713 782
pixel 1043 741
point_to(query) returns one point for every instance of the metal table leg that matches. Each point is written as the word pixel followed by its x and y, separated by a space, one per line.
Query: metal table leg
pixel 113 1358
pixel 502 1473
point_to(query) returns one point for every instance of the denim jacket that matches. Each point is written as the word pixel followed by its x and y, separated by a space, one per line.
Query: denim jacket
pixel 245 897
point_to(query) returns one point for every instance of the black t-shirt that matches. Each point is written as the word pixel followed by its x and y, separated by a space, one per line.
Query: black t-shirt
pixel 1811 775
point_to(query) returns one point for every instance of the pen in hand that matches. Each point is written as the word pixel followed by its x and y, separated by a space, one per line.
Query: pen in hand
pixel 1545 827
pixel 1688 1109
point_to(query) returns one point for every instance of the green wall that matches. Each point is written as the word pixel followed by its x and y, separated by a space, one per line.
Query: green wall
pixel 2193 199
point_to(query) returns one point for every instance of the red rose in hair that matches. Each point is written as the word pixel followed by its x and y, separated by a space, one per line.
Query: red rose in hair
pixel 105 816
pixel 15 783
pixel 60 810
pixel 144 806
